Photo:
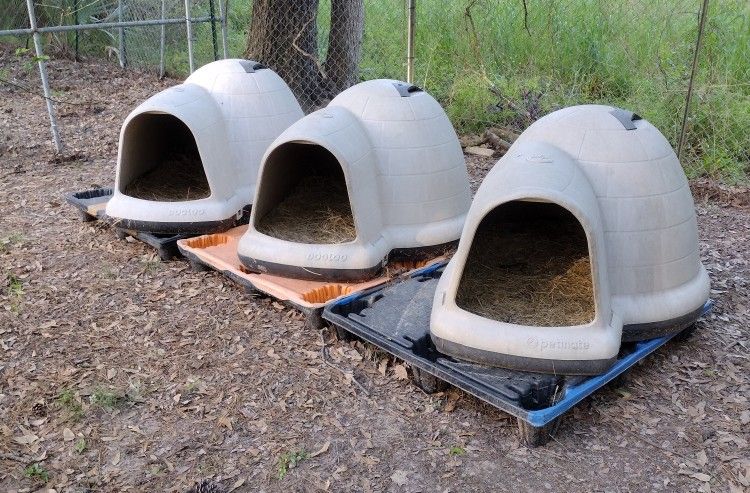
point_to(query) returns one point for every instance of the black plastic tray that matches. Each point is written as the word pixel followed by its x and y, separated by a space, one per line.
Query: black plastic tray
pixel 396 318
pixel 91 204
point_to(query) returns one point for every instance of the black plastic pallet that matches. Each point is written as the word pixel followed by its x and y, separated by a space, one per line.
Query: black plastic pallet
pixel 396 318
pixel 91 204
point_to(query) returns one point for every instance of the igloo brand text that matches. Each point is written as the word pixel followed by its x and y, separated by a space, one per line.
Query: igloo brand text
pixel 187 212
pixel 330 257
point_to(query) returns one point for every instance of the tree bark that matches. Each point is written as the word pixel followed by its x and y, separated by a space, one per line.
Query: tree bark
pixel 283 36
pixel 345 43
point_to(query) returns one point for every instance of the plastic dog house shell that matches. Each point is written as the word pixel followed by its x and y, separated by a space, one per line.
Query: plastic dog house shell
pixel 622 181
pixel 405 176
pixel 232 110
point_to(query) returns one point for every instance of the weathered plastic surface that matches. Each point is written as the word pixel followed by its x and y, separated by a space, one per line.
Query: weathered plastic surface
pixel 396 319
pixel 624 184
pixel 405 175
pixel 219 252
pixel 648 214
pixel 91 205
pixel 234 110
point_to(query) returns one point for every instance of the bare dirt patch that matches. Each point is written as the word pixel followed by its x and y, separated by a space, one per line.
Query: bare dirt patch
pixel 122 373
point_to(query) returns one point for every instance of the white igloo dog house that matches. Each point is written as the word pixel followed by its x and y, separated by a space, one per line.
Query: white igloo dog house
pixel 587 230
pixel 392 150
pixel 189 156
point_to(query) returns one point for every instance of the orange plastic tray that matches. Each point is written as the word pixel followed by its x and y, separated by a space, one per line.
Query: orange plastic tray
pixel 219 252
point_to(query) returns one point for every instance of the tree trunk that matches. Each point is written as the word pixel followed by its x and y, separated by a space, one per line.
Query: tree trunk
pixel 283 36
pixel 345 43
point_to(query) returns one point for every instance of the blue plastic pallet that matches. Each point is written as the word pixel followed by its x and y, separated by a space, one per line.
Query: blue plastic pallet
pixel 396 318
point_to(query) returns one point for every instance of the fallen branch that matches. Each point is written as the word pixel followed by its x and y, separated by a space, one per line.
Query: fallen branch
pixel 328 362
pixel 13 457
pixel 306 54
pixel 497 142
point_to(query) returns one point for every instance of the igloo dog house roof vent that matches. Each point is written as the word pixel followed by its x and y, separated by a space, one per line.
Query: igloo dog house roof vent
pixel 378 171
pixel 189 155
pixel 582 235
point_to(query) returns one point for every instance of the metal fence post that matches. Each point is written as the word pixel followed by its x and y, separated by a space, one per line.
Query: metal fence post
pixel 410 41
pixel 189 29
pixel 121 54
pixel 689 96
pixel 223 11
pixel 162 39
pixel 212 16
pixel 43 74
pixel 75 20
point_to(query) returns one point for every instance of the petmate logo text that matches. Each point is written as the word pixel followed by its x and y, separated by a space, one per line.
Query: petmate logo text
pixel 187 212
pixel 558 344
pixel 330 257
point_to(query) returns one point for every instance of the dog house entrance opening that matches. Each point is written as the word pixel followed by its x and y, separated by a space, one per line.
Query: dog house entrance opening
pixel 529 265
pixel 303 197
pixel 160 160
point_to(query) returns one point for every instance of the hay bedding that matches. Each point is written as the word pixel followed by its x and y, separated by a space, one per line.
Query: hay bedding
pixel 317 210
pixel 178 178
pixel 539 275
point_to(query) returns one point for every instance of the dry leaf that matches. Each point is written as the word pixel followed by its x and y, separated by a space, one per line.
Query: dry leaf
pixel 400 372
pixel 399 477
pixel 701 476
pixel 702 458
pixel 451 402
pixel 322 450
pixel 68 435
pixel 26 439
pixel 382 366
pixel 237 484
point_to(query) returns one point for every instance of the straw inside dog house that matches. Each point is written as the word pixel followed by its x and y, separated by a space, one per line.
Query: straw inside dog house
pixel 529 265
pixel 167 169
pixel 189 155
pixel 377 174
pixel 305 203
pixel 582 235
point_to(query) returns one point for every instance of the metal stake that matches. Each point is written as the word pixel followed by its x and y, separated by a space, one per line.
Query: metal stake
pixel 189 35
pixel 212 16
pixel 689 97
pixel 162 39
pixel 412 5
pixel 43 74
pixel 121 52
pixel 75 20
pixel 223 14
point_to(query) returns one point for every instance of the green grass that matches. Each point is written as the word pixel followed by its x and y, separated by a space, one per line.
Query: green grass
pixel 456 450
pixel 289 460
pixel 107 399
pixel 37 472
pixel 633 54
pixel 80 446
pixel 70 405
pixel 486 68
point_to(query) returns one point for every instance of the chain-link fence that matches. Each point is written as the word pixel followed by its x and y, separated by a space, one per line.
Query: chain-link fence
pixel 135 46
pixel 500 62
pixel 489 62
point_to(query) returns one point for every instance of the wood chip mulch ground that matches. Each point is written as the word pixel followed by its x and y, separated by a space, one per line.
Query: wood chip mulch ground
pixel 119 372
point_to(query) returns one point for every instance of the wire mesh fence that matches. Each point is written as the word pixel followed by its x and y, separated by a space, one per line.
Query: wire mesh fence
pixel 489 62
pixel 497 62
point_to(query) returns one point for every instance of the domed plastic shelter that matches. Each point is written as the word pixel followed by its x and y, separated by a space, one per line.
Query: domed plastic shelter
pixel 189 155
pixel 378 173
pixel 582 235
